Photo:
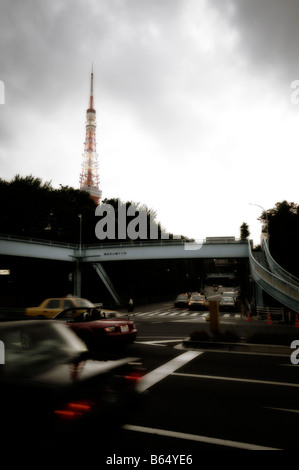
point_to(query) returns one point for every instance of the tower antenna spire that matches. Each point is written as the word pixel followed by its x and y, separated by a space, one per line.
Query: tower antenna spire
pixel 91 88
pixel 89 178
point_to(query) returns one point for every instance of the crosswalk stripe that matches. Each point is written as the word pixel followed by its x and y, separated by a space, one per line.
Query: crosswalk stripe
pixel 169 312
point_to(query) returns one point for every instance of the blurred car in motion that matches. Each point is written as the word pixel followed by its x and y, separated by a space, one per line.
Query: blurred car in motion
pixel 227 303
pixel 181 300
pixel 50 386
pixel 50 307
pixel 197 302
pixel 231 293
pixel 98 328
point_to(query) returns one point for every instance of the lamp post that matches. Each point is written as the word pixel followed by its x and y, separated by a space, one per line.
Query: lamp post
pixel 78 276
pixel 251 204
pixel 80 235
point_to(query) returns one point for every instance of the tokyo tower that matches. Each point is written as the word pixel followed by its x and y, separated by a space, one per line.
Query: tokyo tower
pixel 89 178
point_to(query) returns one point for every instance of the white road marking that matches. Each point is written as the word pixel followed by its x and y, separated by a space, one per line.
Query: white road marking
pixel 237 379
pixel 196 438
pixel 183 314
pixel 157 342
pixel 282 409
pixel 166 369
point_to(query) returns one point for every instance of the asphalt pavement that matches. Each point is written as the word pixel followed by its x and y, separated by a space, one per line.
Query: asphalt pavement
pixel 247 334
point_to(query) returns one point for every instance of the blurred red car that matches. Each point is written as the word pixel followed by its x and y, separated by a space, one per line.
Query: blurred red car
pixel 98 327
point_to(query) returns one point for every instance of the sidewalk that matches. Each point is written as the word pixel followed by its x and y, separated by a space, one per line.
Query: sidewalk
pixel 245 336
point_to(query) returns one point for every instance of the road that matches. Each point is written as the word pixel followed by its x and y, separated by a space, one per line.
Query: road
pixel 207 400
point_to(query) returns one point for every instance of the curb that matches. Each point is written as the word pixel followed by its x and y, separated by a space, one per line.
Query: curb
pixel 238 347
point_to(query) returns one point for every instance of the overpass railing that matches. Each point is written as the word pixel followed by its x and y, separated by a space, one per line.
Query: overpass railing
pixel 125 243
pixel 277 269
pixel 38 241
pixel 280 289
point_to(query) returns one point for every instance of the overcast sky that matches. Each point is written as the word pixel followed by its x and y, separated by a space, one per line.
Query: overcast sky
pixel 195 111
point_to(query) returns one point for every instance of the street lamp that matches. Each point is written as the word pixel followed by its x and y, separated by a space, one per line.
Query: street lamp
pixel 78 261
pixel 80 235
pixel 251 204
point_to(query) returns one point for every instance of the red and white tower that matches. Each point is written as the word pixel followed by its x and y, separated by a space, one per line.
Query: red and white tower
pixel 89 178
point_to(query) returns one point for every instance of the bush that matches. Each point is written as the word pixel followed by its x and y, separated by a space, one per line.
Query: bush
pixel 200 336
pixel 227 336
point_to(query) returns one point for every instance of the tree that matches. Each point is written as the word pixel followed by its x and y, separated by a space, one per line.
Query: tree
pixel 244 231
pixel 283 229
pixel 31 208
pixel 128 217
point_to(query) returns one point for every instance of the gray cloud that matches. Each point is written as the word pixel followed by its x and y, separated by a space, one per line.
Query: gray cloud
pixel 268 34
pixel 179 84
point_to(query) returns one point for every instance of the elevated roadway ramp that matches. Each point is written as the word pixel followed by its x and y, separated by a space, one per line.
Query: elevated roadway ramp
pixel 273 279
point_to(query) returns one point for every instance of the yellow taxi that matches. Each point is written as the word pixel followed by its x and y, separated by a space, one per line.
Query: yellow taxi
pixel 49 308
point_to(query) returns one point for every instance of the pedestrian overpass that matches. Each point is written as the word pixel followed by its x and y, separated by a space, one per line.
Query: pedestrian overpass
pixel 213 247
pixel 267 274
pixel 216 247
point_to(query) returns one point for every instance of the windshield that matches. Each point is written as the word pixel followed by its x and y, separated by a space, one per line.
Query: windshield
pixel 197 297
pixel 84 303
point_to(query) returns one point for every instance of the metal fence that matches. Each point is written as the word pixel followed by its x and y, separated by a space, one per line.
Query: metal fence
pixel 276 313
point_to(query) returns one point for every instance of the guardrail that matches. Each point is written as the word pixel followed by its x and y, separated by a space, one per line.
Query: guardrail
pixel 280 289
pixel 125 243
pixel 277 313
pixel 38 241
pixel 277 269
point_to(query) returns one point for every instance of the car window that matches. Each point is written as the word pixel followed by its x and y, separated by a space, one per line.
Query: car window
pixel 68 303
pixel 52 303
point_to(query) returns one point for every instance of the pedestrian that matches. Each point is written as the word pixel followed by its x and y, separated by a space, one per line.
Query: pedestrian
pixel 131 306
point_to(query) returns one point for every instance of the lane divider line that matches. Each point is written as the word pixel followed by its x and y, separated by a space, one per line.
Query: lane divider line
pixel 196 438
pixel 288 410
pixel 237 379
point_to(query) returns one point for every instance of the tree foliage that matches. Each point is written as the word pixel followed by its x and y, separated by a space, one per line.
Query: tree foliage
pixel 31 208
pixel 283 228
pixel 244 231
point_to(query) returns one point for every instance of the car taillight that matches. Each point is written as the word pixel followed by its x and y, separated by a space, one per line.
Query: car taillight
pixel 134 376
pixel 110 329
pixel 136 373
pixel 74 409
